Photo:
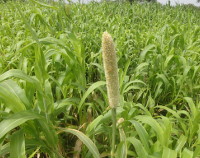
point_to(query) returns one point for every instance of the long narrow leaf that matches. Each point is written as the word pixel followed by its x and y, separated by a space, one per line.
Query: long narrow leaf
pixel 90 89
pixel 17 145
pixel 85 139
pixel 15 120
pixel 139 148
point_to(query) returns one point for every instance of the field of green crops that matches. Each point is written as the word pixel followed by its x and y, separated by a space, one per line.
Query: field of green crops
pixel 53 95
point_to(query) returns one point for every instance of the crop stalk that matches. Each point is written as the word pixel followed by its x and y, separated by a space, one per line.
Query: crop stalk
pixel 113 132
pixel 112 81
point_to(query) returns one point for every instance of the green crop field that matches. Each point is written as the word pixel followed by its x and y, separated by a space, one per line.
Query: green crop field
pixel 62 95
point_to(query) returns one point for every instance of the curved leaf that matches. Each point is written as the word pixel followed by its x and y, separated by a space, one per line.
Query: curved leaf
pixel 85 139
pixel 90 89
pixel 141 152
pixel 15 120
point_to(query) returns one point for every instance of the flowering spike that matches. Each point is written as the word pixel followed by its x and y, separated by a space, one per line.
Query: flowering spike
pixel 110 68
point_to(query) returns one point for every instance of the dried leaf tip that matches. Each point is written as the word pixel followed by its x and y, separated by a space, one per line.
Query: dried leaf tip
pixel 110 68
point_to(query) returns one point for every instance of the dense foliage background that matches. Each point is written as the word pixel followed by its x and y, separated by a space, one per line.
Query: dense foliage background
pixel 52 83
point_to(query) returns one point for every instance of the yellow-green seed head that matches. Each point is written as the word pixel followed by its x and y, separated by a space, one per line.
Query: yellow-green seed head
pixel 110 68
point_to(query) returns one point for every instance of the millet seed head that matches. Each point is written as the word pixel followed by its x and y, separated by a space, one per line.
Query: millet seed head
pixel 110 68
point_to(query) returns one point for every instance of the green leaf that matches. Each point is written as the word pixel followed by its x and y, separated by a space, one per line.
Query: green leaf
pixel 44 5
pixel 121 150
pixel 180 143
pixel 168 59
pixel 5 149
pixel 187 153
pixel 28 26
pixel 122 147
pixel 90 89
pixel 15 120
pixel 141 152
pixel 155 126
pixel 49 132
pixel 197 151
pixel 40 64
pixel 101 119
pixel 85 139
pixel 145 51
pixel 135 84
pixel 144 137
pixel 18 74
pixel 94 124
pixel 191 106
pixel 13 96
pixel 33 154
pixel 173 112
pixel 17 145
pixel 168 153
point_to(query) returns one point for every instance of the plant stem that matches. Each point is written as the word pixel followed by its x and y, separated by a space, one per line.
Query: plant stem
pixel 113 132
